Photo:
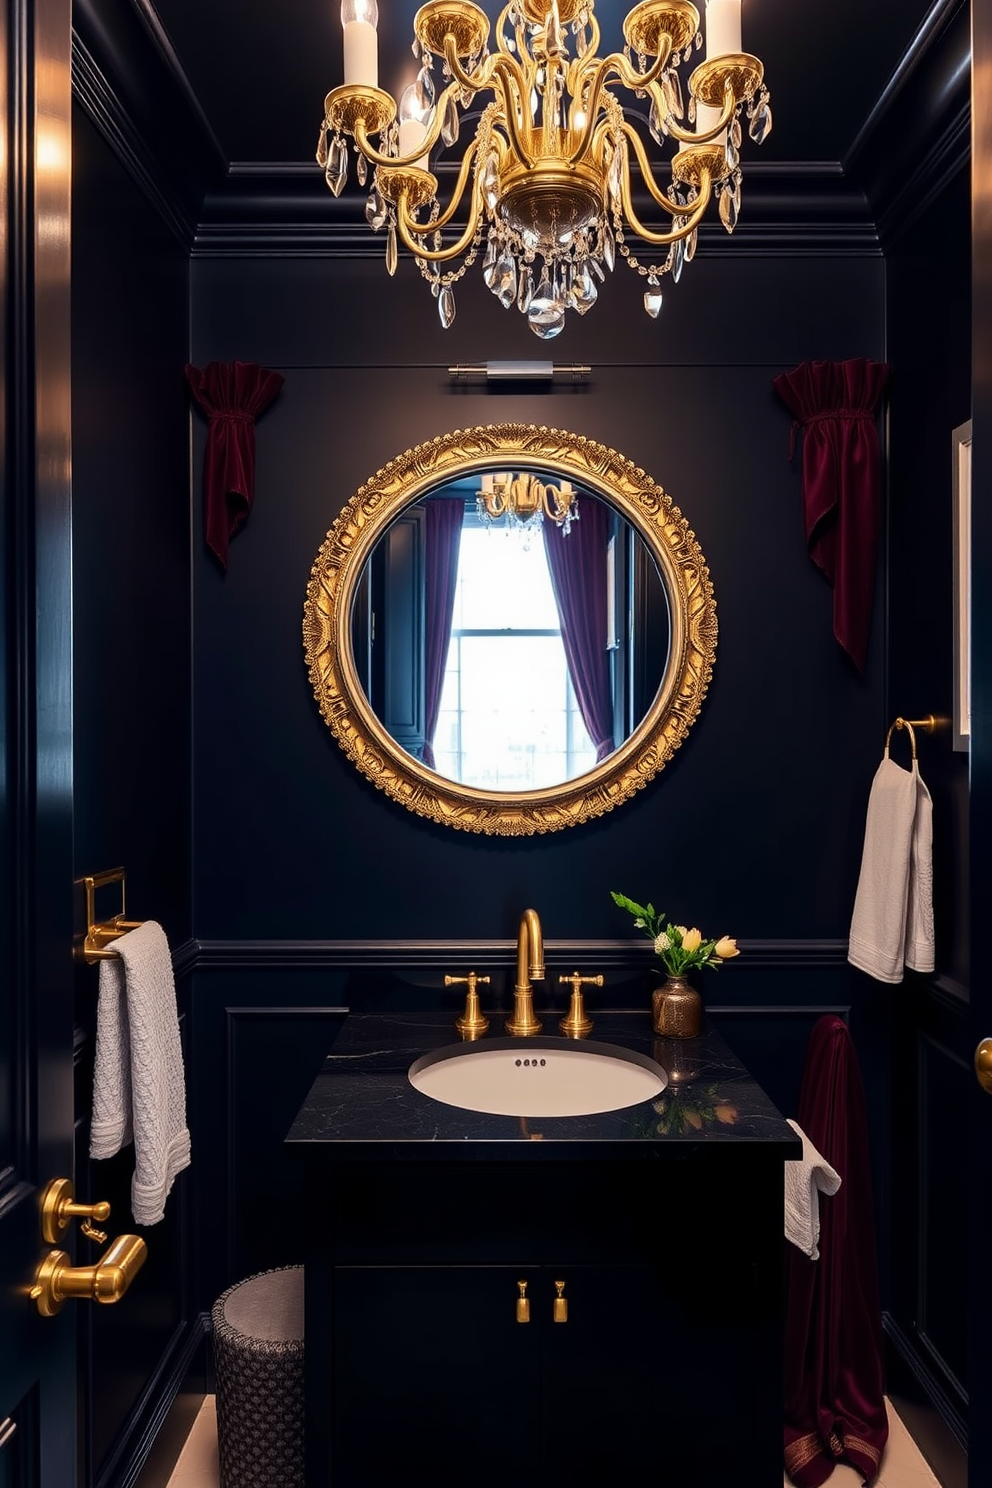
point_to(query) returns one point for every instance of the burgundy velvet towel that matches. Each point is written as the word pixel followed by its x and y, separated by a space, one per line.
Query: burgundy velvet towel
pixel 835 1407
pixel 232 395
pixel 835 402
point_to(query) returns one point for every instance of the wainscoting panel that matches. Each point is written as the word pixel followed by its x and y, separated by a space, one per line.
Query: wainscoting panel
pixel 945 1090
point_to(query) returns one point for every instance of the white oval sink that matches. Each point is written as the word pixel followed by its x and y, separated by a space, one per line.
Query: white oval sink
pixel 537 1077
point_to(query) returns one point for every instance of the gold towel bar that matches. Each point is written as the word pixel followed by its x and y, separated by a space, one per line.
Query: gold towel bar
pixel 99 934
pixel 928 724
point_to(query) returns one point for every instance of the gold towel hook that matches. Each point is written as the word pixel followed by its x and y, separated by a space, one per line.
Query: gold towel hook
pixel 928 725
pixel 96 945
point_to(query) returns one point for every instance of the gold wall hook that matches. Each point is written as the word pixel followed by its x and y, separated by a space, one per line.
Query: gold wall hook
pixel 927 724
pixel 523 1303
pixel 58 1210
pixel 472 1022
pixel 561 1303
pixel 577 1023
pixel 56 1279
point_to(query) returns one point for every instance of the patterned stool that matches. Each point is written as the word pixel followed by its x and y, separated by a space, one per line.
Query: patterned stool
pixel 258 1357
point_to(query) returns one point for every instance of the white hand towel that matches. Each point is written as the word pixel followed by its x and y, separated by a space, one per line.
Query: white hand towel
pixel 806 1178
pixel 139 1087
pixel 897 850
pixel 919 909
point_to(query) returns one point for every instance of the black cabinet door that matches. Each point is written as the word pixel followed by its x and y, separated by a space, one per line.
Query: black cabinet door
pixel 651 1375
pixel 434 1381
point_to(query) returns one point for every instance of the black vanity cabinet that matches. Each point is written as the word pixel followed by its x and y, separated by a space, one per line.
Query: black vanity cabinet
pixel 663 1355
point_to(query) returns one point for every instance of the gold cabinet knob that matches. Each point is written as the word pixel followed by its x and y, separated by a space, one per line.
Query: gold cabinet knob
pixel 58 1210
pixel 561 1303
pixel 523 1303
pixel 983 1065
pixel 56 1280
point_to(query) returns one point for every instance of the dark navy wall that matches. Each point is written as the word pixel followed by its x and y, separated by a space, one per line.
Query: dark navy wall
pixel 132 719
pixel 753 829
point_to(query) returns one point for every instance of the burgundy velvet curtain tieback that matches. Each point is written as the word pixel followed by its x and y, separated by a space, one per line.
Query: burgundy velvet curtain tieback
pixel 232 395
pixel 836 403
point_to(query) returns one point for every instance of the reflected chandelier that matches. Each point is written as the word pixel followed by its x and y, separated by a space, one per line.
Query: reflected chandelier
pixel 546 178
pixel 524 501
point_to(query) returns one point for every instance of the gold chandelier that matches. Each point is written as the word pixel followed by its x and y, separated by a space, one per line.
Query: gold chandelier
pixel 524 501
pixel 543 190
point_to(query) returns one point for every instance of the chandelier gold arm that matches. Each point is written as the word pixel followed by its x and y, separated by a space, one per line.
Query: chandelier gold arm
pixel 409 228
pixel 689 137
pixel 456 196
pixel 465 23
pixel 430 139
pixel 643 26
pixel 691 164
pixel 508 81
pixel 353 105
pixel 695 216
pixel 616 64
pixel 407 184
pixel 739 71
pixel 667 204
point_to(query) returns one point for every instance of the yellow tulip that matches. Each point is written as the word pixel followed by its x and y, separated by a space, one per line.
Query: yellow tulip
pixel 692 940
pixel 726 947
pixel 725 1114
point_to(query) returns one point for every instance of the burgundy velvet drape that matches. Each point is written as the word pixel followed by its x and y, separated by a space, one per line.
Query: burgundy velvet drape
pixel 577 564
pixel 442 541
pixel 834 1406
pixel 835 403
pixel 232 395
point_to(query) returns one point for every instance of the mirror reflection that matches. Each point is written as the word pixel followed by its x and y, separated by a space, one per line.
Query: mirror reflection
pixel 510 630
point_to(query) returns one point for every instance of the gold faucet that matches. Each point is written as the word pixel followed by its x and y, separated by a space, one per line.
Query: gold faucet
pixel 530 968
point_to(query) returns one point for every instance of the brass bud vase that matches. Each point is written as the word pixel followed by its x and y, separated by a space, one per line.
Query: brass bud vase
pixel 677 1009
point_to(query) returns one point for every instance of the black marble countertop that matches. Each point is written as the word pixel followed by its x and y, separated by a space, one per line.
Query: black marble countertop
pixel 362 1107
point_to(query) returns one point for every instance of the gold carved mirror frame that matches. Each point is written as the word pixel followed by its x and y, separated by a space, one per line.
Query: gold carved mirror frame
pixel 337 569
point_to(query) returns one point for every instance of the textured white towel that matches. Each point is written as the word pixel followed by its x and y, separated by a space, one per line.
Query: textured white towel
pixel 806 1178
pixel 892 923
pixel 139 1088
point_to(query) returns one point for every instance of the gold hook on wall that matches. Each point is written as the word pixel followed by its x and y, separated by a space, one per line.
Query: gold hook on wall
pixel 99 934
pixel 928 725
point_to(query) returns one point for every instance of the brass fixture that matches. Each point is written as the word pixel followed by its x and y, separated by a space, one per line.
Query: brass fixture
pixel 524 501
pixel 472 1022
pixel 928 725
pixel 58 1210
pixel 518 371
pixel 983 1065
pixel 577 1023
pixel 99 934
pixel 546 177
pixel 530 968
pixel 334 671
pixel 523 1303
pixel 561 1303
pixel 56 1279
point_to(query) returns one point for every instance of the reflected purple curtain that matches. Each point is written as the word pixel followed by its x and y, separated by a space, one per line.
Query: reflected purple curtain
pixel 442 540
pixel 835 403
pixel 577 564
pixel 232 395
pixel 834 1403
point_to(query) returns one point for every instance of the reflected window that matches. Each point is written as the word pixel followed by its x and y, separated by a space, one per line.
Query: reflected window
pixel 509 718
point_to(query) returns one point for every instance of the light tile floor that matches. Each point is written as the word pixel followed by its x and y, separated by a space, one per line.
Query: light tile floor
pixel 902 1465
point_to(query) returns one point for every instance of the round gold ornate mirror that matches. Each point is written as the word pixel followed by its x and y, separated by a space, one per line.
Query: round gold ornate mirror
pixel 371 566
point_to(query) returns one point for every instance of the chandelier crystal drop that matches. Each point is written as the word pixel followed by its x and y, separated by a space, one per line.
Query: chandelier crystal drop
pixel 544 189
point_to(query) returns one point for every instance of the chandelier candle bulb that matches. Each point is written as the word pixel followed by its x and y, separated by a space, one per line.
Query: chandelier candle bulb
pixel 359 19
pixel 413 126
pixel 723 28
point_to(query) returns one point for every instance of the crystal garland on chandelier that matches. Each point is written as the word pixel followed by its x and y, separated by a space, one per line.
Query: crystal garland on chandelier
pixel 546 178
